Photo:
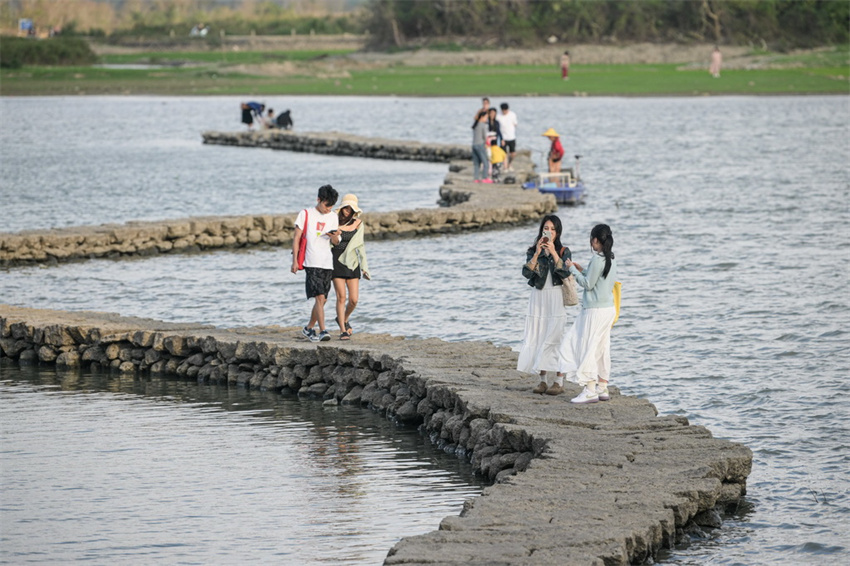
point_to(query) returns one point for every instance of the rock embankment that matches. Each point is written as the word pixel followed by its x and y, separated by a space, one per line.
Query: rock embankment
pixel 610 483
pixel 466 206
pixel 337 143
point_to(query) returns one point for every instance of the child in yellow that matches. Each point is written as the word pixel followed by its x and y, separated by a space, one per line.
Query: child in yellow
pixel 497 158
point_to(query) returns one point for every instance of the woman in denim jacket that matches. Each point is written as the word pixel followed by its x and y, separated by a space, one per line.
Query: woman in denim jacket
pixel 547 316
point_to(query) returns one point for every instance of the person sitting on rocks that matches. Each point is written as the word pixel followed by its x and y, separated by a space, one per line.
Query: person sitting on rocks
pixel 269 122
pixel 284 120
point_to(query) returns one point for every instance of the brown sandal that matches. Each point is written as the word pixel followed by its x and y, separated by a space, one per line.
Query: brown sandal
pixel 345 336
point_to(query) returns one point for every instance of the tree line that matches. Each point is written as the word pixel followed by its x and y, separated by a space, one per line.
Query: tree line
pixel 775 23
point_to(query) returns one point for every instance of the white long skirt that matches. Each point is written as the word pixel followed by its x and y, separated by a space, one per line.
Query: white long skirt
pixel 585 353
pixel 545 324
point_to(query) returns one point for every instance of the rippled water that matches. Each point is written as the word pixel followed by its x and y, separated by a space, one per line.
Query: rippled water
pixel 730 217
pixel 121 471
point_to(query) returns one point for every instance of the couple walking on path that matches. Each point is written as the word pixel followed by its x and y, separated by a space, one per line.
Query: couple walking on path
pixel 329 246
pixel 582 354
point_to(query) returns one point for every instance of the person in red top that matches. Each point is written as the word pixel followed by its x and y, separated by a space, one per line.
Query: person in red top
pixel 556 152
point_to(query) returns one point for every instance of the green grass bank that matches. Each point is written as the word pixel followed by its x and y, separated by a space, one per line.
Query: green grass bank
pixel 312 72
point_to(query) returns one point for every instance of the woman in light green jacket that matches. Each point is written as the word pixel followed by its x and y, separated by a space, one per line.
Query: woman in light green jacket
pixel 349 263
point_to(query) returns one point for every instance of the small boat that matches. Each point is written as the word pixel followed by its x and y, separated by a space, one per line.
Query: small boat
pixel 567 185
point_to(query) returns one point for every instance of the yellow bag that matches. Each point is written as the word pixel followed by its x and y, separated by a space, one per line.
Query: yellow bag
pixel 617 289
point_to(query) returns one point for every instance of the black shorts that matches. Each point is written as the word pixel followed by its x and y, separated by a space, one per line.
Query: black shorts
pixel 318 281
pixel 510 146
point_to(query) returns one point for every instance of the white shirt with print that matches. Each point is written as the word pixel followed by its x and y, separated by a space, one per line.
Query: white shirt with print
pixel 507 124
pixel 318 241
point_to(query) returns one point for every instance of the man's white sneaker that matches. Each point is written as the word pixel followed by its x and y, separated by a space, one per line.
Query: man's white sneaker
pixel 588 395
pixel 602 392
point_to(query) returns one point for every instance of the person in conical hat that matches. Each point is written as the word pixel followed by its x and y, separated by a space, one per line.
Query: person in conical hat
pixel 556 151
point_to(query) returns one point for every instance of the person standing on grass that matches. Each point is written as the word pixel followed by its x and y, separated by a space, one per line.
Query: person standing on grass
pixel 585 352
pixel 508 123
pixel 321 228
pixel 716 62
pixel 565 66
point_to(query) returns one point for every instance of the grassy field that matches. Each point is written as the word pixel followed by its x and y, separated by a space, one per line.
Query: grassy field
pixel 209 73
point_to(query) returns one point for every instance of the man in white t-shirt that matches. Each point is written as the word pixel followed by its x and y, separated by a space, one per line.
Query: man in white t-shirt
pixel 320 225
pixel 507 124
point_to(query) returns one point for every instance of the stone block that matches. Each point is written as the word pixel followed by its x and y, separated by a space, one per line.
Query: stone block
pixel 27 357
pixel 246 351
pixel 68 359
pixel 176 345
pixel 47 354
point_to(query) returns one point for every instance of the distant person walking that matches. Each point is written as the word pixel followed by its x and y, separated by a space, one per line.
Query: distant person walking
pixel 565 66
pixel 556 150
pixel 320 226
pixel 585 352
pixel 349 256
pixel 250 110
pixel 479 148
pixel 716 62
pixel 508 123
pixel 546 318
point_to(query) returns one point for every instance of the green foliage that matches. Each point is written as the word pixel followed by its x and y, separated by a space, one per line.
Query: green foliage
pixel 19 51
pixel 802 23
pixel 829 75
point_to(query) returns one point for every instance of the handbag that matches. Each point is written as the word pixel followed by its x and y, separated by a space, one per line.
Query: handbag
pixel 568 290
pixel 618 287
pixel 302 243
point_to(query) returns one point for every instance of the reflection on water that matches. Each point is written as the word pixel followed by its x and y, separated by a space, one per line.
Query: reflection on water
pixel 729 218
pixel 121 470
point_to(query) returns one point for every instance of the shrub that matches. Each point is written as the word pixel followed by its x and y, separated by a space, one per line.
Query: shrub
pixel 19 51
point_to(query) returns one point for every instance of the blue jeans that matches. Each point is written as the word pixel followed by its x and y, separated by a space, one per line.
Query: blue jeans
pixel 479 161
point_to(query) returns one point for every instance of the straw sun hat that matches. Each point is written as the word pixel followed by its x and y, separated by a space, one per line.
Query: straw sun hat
pixel 350 200
pixel 551 132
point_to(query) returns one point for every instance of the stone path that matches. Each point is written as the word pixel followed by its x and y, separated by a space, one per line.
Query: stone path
pixel 610 483
pixel 467 206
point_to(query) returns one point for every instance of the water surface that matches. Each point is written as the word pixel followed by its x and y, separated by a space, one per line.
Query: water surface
pixel 730 220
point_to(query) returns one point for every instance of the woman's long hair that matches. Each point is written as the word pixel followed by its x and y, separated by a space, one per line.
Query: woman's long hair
pixel 556 222
pixel 602 232
pixel 345 220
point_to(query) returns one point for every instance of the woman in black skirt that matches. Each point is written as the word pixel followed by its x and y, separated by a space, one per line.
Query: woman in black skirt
pixel 349 262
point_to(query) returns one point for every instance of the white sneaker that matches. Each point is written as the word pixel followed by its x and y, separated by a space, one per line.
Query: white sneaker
pixel 588 395
pixel 602 391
